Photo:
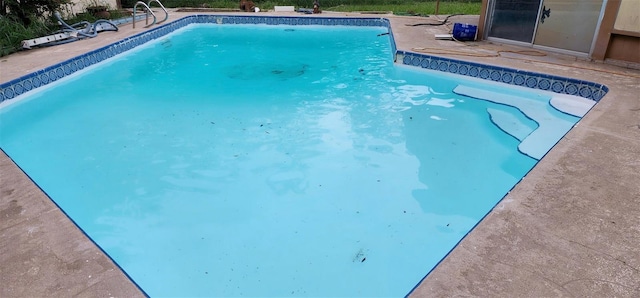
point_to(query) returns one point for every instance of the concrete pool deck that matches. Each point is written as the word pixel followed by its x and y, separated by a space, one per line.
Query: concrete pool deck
pixel 570 228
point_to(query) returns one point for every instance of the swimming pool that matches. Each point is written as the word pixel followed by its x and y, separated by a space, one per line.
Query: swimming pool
pixel 418 115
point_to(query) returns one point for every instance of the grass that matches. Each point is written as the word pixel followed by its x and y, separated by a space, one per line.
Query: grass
pixel 401 7
pixel 415 8
pixel 13 33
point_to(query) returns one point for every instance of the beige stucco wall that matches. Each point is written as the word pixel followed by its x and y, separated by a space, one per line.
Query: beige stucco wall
pixel 78 6
pixel 628 16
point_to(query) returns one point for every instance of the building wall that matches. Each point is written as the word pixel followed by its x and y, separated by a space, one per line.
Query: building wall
pixel 628 18
pixel 79 6
pixel 619 35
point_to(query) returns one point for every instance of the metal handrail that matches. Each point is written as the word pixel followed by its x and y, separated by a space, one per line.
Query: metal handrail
pixel 146 19
pixel 166 14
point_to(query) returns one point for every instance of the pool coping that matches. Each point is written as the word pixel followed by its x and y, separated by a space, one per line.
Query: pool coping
pixel 615 128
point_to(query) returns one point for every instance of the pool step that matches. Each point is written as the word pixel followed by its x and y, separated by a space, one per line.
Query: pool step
pixel 572 105
pixel 511 123
pixel 550 128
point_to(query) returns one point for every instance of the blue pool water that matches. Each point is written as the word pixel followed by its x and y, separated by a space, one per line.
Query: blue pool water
pixel 237 160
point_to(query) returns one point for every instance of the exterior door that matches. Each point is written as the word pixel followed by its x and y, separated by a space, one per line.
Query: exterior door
pixel 568 24
pixel 514 19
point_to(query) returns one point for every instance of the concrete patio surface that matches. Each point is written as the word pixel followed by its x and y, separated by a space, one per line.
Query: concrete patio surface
pixel 570 228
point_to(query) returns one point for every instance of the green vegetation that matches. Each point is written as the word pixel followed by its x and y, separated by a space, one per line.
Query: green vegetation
pixel 20 20
pixel 13 33
pixel 27 19
pixel 401 7
pixel 24 12
pixel 415 8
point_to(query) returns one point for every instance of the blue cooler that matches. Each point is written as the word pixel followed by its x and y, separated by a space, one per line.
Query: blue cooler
pixel 465 32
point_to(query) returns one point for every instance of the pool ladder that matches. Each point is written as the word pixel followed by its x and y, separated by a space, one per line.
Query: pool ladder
pixel 147 8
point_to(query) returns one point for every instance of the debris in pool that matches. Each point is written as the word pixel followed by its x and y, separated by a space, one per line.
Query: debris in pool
pixel 282 71
pixel 289 30
pixel 360 256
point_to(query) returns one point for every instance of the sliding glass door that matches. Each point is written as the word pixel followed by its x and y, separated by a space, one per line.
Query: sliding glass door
pixel 562 24
pixel 514 19
pixel 568 24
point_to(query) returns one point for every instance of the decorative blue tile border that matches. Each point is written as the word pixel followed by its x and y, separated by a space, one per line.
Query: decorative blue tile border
pixel 533 80
pixel 556 84
pixel 58 71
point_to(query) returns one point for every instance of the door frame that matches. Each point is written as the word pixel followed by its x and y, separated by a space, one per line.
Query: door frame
pixel 489 18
